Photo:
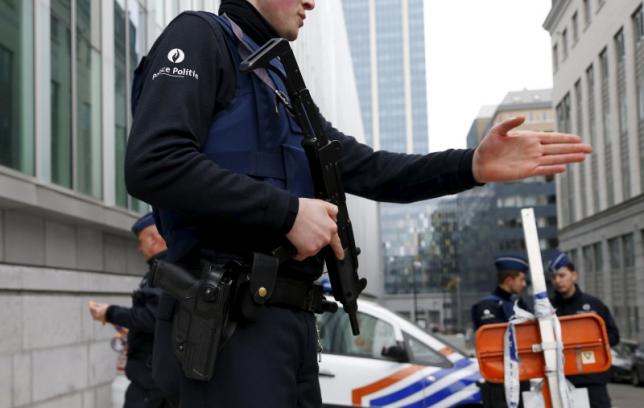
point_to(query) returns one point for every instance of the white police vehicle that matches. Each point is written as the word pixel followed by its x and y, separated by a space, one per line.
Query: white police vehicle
pixel 392 363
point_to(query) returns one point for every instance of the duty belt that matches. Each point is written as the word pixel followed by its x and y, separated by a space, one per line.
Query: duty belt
pixel 301 295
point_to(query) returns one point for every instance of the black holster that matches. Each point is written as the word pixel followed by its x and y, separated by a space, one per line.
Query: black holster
pixel 201 319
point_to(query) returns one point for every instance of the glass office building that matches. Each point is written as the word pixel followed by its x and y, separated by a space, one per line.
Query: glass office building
pixel 387 40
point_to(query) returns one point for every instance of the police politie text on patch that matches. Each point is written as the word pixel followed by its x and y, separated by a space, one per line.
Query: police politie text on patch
pixel 176 72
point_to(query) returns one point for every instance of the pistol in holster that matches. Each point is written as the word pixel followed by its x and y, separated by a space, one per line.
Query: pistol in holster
pixel 201 320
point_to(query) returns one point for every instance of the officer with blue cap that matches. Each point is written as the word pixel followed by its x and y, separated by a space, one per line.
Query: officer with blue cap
pixel 140 320
pixel 497 307
pixel 570 300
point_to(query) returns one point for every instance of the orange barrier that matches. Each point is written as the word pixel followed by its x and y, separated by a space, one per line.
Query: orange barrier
pixel 586 348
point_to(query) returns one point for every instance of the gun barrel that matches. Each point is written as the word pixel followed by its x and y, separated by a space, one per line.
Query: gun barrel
pixel 355 327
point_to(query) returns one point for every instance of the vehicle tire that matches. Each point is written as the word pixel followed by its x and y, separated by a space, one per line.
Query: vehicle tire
pixel 635 378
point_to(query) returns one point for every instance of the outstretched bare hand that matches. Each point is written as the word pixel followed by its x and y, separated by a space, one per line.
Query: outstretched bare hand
pixel 506 154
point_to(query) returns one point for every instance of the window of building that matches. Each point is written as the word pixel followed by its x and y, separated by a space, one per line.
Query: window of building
pixel 587 13
pixel 603 62
pixel 88 149
pixel 61 92
pixel 120 101
pixel 606 121
pixel 16 82
pixel 580 131
pixel 564 43
pixel 574 258
pixel 76 147
pixel 555 58
pixel 590 82
pixel 575 28
pixel 620 51
pixel 599 267
pixel 563 114
pixel 628 248
pixel 638 25
pixel 129 47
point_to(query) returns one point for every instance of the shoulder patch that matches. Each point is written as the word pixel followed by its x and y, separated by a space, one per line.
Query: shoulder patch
pixel 487 314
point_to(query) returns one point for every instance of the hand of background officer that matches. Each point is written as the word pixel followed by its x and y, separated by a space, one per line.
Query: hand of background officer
pixel 506 154
pixel 97 310
pixel 314 228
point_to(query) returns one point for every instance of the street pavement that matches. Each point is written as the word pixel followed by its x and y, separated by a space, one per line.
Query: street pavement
pixel 626 396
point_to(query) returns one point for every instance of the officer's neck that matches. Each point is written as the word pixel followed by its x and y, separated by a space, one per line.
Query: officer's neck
pixel 570 293
pixel 251 21
pixel 504 291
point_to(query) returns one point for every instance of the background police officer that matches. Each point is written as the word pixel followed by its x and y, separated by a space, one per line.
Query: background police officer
pixel 221 160
pixel 140 321
pixel 570 300
pixel 497 307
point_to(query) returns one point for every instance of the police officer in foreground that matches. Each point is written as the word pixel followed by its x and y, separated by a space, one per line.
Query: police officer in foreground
pixel 497 307
pixel 140 321
pixel 570 300
pixel 219 157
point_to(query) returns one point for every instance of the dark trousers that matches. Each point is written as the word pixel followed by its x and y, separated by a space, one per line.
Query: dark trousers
pixel 493 395
pixel 598 396
pixel 271 362
pixel 138 397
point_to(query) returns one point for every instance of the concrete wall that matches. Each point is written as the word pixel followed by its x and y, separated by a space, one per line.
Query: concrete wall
pixel 57 251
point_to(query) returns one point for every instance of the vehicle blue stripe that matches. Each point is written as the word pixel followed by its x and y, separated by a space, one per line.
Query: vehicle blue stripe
pixel 472 399
pixel 443 393
pixel 419 385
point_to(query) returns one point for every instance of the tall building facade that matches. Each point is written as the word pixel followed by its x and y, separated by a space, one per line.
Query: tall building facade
pixel 387 40
pixel 598 66
pixel 65 70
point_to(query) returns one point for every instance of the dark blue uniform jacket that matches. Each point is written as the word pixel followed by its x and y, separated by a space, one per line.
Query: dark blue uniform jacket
pixel 178 118
pixel 494 308
pixel 582 302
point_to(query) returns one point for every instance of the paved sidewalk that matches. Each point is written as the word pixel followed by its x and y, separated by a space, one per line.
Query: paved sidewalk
pixel 626 396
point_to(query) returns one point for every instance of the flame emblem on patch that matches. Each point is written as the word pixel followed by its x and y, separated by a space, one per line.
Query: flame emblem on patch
pixel 176 55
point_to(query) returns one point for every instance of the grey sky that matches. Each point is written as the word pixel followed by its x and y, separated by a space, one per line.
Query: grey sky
pixel 477 51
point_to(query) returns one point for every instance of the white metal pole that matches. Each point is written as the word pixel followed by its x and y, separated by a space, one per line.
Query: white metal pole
pixel 539 285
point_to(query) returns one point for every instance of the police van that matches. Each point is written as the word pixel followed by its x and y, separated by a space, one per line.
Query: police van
pixel 392 363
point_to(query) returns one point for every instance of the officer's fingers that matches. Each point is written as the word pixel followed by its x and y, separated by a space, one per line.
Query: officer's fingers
pixel 507 125
pixel 336 245
pixel 332 210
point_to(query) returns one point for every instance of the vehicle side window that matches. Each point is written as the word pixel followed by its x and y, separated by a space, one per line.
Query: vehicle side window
pixel 336 336
pixel 422 354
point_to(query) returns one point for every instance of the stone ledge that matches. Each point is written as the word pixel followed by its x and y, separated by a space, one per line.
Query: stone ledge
pixel 26 278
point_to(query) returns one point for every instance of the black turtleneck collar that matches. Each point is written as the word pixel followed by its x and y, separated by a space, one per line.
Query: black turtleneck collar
pixel 561 300
pixel 500 292
pixel 246 16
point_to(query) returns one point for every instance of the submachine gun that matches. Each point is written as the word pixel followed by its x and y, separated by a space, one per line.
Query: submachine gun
pixel 324 162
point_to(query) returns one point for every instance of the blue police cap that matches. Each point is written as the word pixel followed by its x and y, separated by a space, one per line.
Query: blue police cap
pixel 559 261
pixel 511 263
pixel 142 223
